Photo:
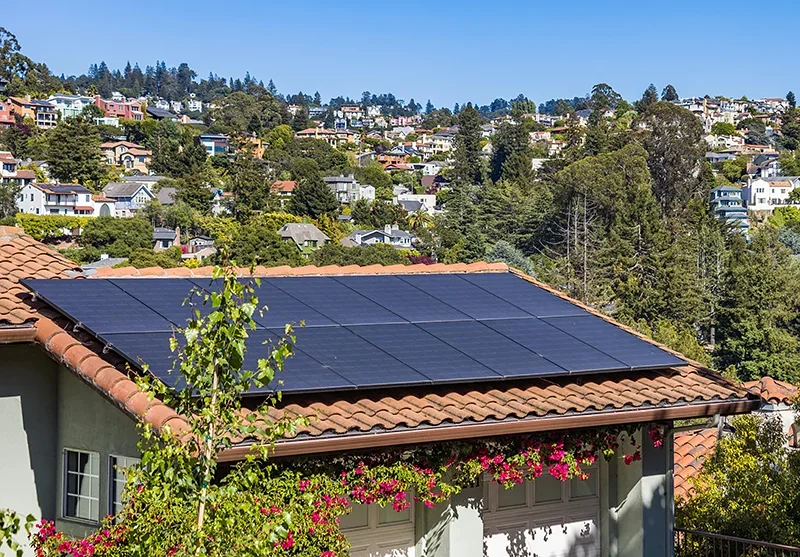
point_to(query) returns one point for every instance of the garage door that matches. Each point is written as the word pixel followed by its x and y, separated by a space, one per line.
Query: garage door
pixel 545 518
pixel 379 532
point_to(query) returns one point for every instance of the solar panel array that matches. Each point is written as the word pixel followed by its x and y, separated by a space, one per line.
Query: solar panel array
pixel 359 332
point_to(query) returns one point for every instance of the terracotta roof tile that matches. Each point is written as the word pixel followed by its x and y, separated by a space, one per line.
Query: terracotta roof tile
pixel 691 449
pixel 772 391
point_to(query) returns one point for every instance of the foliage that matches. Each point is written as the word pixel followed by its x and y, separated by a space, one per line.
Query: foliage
pixel 258 244
pixel 376 254
pixel 669 94
pixel 9 193
pixel 468 166
pixel 41 227
pixel 734 169
pixel 506 253
pixel 143 258
pixel 723 128
pixel 377 214
pixel 73 152
pixel 749 487
pixel 10 526
pixel 116 236
pixel 313 198
pixel 759 311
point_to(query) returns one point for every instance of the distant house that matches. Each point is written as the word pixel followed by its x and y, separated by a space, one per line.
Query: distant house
pixel 126 154
pixel 726 202
pixel 166 196
pixel 332 137
pixel 120 108
pixel 6 116
pixel 397 156
pixel 129 196
pixel 69 106
pixel 307 237
pixel 165 238
pixel 10 173
pixel 283 189
pixel 443 140
pixel 764 194
pixel 41 112
pixel 391 234
pixel 63 199
pixel 347 189
pixel 415 203
pixel 714 156
pixel 199 243
pixel 214 143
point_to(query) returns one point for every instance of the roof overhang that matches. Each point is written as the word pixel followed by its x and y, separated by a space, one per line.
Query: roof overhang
pixel 454 432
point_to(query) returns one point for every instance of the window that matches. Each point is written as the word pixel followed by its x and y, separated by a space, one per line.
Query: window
pixel 165 243
pixel 81 490
pixel 31 197
pixel 117 466
pixel 87 197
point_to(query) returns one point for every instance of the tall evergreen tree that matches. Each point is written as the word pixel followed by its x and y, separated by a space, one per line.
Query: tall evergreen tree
pixel 649 97
pixel 313 198
pixel 791 100
pixel 73 152
pixel 669 94
pixel 429 107
pixel 468 167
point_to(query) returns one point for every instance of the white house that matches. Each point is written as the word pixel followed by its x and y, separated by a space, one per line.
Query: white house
pixel 724 141
pixel 391 234
pixel 69 106
pixel 129 196
pixel 193 105
pixel 426 201
pixel 764 194
pixel 347 189
pixel 63 199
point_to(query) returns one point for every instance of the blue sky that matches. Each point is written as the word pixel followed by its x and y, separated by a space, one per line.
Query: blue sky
pixel 446 50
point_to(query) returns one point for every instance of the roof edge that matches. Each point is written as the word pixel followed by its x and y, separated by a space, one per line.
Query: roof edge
pixel 453 432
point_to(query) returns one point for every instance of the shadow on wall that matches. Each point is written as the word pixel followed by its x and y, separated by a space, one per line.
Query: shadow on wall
pixel 28 431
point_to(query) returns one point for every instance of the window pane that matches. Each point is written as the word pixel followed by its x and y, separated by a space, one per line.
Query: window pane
pixel 81 488
pixel 387 515
pixel 73 481
pixel 514 497
pixel 547 488
pixel 358 517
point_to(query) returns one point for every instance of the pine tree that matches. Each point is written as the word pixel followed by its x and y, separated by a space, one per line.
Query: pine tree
pixel 313 198
pixel 649 97
pixel 429 107
pixel 468 167
pixel 669 94
pixel 271 89
pixel 791 100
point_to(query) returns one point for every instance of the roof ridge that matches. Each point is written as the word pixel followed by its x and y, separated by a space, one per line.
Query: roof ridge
pixel 307 270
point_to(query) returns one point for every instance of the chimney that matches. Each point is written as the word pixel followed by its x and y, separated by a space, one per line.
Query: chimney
pixel 177 235
pixel 103 256
pixel 387 229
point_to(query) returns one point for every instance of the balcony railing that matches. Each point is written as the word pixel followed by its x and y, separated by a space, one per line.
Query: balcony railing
pixel 693 543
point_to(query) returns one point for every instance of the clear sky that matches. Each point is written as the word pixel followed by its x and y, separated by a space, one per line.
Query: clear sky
pixel 446 50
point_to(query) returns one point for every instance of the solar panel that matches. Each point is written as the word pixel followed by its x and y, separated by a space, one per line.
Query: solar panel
pixel 615 342
pixel 355 359
pixel 401 298
pixel 436 360
pixel 523 294
pixel 99 306
pixel 300 373
pixel 167 297
pixel 497 352
pixel 555 345
pixel 148 348
pixel 466 297
pixel 335 300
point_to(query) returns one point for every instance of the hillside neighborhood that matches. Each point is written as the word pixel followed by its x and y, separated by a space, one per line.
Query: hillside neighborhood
pixel 236 320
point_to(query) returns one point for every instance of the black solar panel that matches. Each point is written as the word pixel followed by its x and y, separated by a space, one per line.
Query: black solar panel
pixel 355 359
pixel 468 298
pixel 495 351
pixel 436 360
pixel 335 300
pixel 300 373
pixel 401 298
pixel 555 345
pixel 371 331
pixel 167 297
pixel 148 348
pixel 615 342
pixel 99 306
pixel 526 296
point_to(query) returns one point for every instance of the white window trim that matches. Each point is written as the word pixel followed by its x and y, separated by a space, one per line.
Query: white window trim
pixel 112 479
pixel 65 483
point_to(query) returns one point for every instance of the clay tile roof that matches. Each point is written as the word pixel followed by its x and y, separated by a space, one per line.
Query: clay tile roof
pixel 772 391
pixel 691 449
pixel 23 257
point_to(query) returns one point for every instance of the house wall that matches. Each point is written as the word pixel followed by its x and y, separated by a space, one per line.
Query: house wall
pixel 88 422
pixel 28 431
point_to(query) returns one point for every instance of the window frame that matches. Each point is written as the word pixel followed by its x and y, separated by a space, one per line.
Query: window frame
pixel 112 479
pixel 65 473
